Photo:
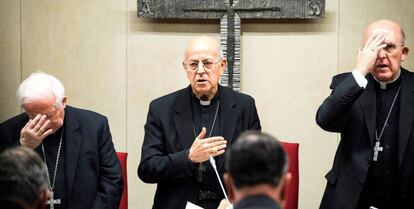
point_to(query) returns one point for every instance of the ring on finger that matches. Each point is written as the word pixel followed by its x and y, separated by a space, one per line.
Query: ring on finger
pixel 40 131
pixel 213 149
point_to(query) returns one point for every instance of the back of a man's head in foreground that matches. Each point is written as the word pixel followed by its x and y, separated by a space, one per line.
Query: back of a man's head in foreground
pixel 23 178
pixel 257 164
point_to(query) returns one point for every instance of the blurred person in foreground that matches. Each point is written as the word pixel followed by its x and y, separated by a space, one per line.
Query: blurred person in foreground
pixel 257 174
pixel 23 179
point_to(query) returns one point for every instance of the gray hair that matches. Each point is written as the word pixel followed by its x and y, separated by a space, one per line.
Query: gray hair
pixel 40 85
pixel 23 175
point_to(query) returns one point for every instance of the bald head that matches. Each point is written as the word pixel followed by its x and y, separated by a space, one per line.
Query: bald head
pixel 203 44
pixel 204 65
pixel 387 28
pixel 388 38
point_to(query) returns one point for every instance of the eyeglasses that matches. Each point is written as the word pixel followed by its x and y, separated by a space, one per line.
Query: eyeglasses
pixel 207 64
pixel 390 48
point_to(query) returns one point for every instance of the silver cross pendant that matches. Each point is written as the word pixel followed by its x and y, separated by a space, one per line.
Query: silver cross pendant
pixel 53 201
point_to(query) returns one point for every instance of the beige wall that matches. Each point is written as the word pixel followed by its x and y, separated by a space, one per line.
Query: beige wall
pixel 114 63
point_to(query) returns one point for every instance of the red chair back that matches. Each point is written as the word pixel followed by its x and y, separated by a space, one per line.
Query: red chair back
pixel 122 156
pixel 292 150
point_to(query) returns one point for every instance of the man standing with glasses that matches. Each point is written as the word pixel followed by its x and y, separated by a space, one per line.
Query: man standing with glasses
pixel 188 126
pixel 373 109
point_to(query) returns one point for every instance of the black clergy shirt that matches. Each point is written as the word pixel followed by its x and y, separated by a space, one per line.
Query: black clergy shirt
pixel 203 116
pixel 51 145
pixel 379 188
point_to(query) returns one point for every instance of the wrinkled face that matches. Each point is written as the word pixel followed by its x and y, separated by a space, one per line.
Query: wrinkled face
pixel 387 65
pixel 204 67
pixel 47 106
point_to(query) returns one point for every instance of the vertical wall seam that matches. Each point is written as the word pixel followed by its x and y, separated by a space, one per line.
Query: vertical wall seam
pixel 126 75
pixel 338 51
pixel 21 44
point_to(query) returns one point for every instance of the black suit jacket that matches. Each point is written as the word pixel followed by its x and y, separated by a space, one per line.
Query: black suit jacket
pixel 351 111
pixel 169 135
pixel 257 202
pixel 93 173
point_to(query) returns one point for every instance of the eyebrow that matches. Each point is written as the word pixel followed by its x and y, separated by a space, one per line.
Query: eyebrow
pixel 49 113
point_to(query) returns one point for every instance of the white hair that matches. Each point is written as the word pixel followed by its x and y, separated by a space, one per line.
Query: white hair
pixel 40 85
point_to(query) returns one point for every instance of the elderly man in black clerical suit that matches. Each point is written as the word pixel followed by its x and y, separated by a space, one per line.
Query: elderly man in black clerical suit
pixel 186 127
pixel 373 109
pixel 75 144
pixel 257 172
pixel 23 179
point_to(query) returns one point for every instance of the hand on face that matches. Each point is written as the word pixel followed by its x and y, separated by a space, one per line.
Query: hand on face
pixel 367 56
pixel 202 148
pixel 33 133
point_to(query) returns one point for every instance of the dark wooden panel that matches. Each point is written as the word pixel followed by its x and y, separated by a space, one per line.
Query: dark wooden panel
pixel 215 9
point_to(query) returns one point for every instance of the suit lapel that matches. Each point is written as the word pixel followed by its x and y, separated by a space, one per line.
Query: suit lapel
pixel 406 113
pixel 183 119
pixel 72 146
pixel 368 105
pixel 228 118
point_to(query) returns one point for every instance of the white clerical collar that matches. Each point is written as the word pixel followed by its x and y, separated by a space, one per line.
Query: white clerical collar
pixel 205 103
pixel 383 85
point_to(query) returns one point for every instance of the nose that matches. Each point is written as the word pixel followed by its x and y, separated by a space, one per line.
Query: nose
pixel 200 68
pixel 382 54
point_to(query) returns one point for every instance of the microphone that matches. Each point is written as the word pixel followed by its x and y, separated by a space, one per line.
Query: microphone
pixel 213 164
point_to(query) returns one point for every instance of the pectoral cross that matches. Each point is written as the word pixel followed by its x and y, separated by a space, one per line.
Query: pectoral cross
pixel 53 201
pixel 377 149
pixel 201 169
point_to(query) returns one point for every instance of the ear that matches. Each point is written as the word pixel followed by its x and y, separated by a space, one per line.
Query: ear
pixel 223 65
pixel 404 54
pixel 228 183
pixel 64 101
pixel 284 186
pixel 186 72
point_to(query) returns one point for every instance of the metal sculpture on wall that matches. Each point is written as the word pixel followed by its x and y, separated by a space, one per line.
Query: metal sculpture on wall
pixel 230 13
